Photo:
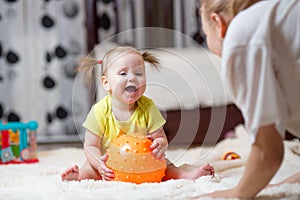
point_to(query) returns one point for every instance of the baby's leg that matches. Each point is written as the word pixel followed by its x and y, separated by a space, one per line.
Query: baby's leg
pixel 173 172
pixel 85 172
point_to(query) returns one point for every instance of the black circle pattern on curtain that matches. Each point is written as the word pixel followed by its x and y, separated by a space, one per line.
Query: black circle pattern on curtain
pixel 11 1
pixel 70 9
pixel 106 19
pixel 12 57
pixel 47 21
pixel 104 22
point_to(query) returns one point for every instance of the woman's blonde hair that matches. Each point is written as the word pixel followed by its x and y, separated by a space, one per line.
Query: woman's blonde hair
pixel 88 63
pixel 230 7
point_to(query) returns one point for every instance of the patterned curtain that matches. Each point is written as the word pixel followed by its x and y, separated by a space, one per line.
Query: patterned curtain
pixel 117 16
pixel 187 21
pixel 41 43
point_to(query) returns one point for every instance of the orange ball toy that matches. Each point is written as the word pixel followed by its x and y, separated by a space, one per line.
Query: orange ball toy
pixel 131 160
pixel 231 156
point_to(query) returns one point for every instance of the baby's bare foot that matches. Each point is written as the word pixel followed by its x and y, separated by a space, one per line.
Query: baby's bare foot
pixel 206 169
pixel 70 174
pixel 203 170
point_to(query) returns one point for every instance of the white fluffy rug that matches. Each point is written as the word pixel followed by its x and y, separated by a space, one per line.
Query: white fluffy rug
pixel 42 180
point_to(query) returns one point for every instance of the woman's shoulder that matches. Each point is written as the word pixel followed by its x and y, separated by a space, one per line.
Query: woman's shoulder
pixel 252 25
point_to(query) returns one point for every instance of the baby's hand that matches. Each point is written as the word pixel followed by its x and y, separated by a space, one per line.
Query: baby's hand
pixel 159 146
pixel 105 173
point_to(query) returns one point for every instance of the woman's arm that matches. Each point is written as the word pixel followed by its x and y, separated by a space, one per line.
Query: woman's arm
pixel 264 160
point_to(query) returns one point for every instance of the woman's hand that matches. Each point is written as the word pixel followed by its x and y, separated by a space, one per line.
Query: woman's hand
pixel 217 194
pixel 106 173
pixel 159 143
pixel 263 162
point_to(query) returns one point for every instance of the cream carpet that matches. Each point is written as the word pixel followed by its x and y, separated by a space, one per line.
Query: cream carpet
pixel 42 180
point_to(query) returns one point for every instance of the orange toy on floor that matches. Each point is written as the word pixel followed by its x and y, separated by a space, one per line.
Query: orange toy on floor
pixel 231 156
pixel 131 160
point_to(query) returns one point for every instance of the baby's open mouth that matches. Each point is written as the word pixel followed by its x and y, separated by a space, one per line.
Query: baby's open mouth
pixel 130 89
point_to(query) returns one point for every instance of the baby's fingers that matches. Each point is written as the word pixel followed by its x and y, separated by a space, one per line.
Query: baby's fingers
pixel 107 174
pixel 154 144
pixel 104 158
pixel 158 153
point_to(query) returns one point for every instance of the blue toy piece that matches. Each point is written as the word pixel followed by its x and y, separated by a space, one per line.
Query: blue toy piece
pixel 32 125
pixel 23 140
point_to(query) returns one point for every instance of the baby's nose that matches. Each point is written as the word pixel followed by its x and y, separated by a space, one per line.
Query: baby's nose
pixel 132 77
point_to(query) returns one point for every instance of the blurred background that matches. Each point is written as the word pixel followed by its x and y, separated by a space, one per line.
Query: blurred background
pixel 42 42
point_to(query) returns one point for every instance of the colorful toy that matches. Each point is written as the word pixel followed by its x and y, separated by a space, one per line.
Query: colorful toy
pixel 230 156
pixel 18 142
pixel 131 160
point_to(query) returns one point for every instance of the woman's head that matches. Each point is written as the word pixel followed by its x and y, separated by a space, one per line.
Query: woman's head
pixel 216 16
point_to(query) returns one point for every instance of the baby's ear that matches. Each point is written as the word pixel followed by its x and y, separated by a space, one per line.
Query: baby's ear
pixel 105 83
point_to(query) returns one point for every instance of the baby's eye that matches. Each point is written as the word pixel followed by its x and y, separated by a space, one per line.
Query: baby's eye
pixel 122 73
pixel 139 74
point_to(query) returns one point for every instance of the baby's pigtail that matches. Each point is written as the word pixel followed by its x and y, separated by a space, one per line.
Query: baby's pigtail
pixel 87 66
pixel 149 58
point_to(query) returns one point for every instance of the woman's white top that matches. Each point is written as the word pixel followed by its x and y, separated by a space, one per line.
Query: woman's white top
pixel 261 65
